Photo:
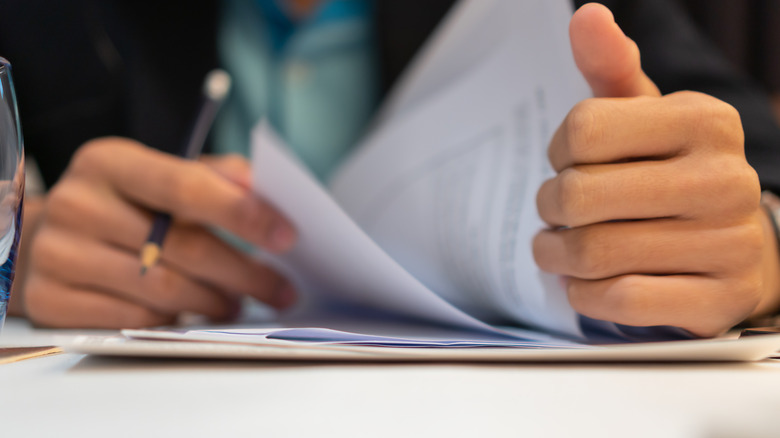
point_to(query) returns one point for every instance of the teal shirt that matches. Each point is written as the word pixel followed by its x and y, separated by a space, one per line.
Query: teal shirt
pixel 315 81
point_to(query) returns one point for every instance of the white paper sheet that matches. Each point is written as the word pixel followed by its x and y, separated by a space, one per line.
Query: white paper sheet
pixel 327 336
pixel 746 349
pixel 334 259
pixel 470 32
pixel 444 191
pixel 448 187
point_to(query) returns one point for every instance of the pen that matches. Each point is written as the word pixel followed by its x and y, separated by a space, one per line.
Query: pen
pixel 216 86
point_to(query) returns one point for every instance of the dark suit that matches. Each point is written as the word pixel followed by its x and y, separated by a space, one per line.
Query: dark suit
pixel 88 68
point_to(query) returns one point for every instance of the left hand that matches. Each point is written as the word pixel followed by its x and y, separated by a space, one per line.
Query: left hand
pixel 654 214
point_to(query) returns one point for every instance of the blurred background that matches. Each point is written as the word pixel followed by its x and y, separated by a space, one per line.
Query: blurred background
pixel 748 33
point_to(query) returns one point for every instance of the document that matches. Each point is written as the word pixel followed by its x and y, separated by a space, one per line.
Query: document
pixel 449 189
pixel 337 265
pixel 432 217
pixel 257 344
pixel 413 336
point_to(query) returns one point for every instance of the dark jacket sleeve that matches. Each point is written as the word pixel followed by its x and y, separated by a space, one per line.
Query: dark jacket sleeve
pixel 677 56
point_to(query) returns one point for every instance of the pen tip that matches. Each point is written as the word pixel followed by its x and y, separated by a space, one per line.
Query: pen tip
pixel 150 253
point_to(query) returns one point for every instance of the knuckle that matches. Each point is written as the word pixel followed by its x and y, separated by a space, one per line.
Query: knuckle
pixel 712 120
pixel 748 189
pixel 726 114
pixel 88 155
pixel 747 196
pixel 749 244
pixel 687 96
pixel 738 189
pixel 627 301
pixel 694 100
pixel 61 198
pixel 46 252
pixel 571 195
pixel 96 153
pixel 583 129
pixel 725 125
pixel 185 188
pixel 67 200
pixel 733 191
pixel 41 247
pixel 589 253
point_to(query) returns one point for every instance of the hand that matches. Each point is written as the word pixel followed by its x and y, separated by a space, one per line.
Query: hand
pixel 654 213
pixel 83 267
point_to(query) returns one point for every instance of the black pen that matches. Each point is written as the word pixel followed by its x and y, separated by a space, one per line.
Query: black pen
pixel 216 86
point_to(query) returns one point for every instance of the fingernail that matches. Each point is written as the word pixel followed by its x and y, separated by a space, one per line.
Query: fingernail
pixel 282 237
pixel 285 297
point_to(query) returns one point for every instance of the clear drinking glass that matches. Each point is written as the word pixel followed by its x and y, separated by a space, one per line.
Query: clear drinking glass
pixel 11 184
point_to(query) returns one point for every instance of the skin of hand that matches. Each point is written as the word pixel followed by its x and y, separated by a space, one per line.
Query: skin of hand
pixel 79 264
pixel 654 215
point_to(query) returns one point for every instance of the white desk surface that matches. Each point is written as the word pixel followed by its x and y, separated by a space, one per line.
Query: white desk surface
pixel 74 395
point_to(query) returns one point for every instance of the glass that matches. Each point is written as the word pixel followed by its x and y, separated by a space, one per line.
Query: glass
pixel 11 184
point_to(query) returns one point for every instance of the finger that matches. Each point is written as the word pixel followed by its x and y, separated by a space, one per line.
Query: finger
pixel 186 189
pixel 233 167
pixel 646 247
pixel 55 304
pixel 588 194
pixel 76 205
pixel 200 254
pixel 675 300
pixel 91 265
pixel 615 130
pixel 190 248
pixel 607 58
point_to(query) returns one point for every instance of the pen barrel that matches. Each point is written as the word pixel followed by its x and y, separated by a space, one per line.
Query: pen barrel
pixel 200 129
pixel 216 87
pixel 161 223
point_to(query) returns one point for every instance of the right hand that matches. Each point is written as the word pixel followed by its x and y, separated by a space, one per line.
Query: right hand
pixel 84 264
pixel 654 215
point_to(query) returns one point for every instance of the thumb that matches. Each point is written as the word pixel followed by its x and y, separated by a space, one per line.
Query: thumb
pixel 607 58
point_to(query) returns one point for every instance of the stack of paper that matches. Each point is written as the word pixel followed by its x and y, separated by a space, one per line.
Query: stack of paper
pixel 424 237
